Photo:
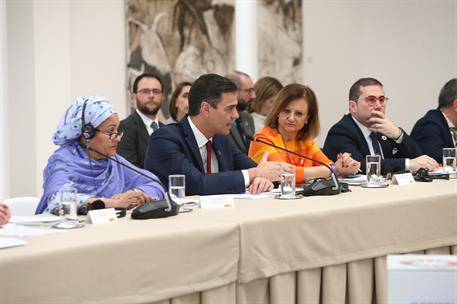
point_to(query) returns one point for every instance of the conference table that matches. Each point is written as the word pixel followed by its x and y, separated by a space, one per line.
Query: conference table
pixel 322 249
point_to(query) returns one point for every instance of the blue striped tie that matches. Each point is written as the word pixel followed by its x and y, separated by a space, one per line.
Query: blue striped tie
pixel 154 126
pixel 375 143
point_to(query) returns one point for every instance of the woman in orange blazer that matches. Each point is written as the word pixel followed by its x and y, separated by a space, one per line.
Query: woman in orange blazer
pixel 292 124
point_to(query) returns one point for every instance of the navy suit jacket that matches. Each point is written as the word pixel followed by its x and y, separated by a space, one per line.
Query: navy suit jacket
pixel 173 150
pixel 346 136
pixel 135 140
pixel 432 134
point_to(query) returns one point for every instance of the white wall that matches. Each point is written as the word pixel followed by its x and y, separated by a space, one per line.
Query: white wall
pixel 57 50
pixel 21 147
pixel 3 109
pixel 410 46
pixel 61 49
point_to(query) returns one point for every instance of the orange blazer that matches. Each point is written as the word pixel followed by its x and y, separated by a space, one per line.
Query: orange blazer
pixel 305 147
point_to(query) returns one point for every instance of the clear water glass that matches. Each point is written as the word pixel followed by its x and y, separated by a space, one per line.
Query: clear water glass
pixel 68 202
pixel 288 185
pixel 373 169
pixel 449 160
pixel 177 185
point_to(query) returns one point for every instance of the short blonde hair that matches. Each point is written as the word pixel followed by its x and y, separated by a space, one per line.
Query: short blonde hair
pixel 265 88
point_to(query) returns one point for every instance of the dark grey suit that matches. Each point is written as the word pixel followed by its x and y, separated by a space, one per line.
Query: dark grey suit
pixel 247 126
pixel 135 140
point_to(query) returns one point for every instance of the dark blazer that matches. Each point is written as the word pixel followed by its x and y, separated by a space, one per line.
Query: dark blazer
pixel 432 134
pixel 135 140
pixel 247 125
pixel 346 136
pixel 173 150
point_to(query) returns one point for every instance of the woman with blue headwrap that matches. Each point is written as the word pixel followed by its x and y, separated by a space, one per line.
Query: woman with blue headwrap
pixel 92 174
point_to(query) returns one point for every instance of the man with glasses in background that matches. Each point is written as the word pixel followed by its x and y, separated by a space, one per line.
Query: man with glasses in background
pixel 243 129
pixel 366 131
pixel 147 94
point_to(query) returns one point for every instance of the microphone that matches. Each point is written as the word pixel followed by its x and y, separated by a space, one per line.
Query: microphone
pixel 319 186
pixel 155 209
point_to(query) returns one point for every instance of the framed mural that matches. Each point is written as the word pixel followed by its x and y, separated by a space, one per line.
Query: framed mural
pixel 179 40
pixel 280 38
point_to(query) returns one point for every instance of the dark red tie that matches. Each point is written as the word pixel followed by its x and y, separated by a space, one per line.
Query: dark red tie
pixel 209 148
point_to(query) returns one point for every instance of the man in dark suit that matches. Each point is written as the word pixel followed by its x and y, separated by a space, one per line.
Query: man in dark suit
pixel 147 93
pixel 243 129
pixel 366 130
pixel 437 129
pixel 199 147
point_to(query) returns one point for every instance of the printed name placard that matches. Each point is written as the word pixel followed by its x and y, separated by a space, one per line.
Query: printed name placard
pixel 102 216
pixel 216 202
pixel 403 179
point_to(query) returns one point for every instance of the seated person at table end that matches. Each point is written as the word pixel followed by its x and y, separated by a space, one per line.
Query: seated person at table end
pixel 437 129
pixel 92 174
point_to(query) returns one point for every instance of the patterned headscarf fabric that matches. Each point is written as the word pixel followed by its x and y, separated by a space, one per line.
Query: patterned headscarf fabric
pixel 97 110
pixel 70 165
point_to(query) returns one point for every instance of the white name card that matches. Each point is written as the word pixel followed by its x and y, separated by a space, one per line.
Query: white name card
pixel 102 216
pixel 216 202
pixel 403 179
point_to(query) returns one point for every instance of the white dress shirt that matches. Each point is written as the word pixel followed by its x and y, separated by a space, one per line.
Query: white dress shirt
pixel 259 121
pixel 201 143
pixel 451 125
pixel 148 121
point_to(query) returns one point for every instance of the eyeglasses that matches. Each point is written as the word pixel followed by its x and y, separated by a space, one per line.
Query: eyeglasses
pixel 149 91
pixel 249 91
pixel 371 100
pixel 112 135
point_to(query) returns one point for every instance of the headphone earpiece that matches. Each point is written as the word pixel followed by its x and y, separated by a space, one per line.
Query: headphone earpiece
pixel 87 130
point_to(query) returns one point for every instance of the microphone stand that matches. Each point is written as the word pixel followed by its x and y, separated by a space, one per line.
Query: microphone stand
pixel 335 186
pixel 155 209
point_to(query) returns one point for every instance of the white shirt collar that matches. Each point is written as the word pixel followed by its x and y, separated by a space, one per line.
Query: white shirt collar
pixel 147 121
pixel 365 131
pixel 199 137
pixel 450 124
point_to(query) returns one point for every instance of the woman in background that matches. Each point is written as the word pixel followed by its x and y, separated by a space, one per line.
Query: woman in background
pixel 292 124
pixel 266 88
pixel 179 103
pixel 90 125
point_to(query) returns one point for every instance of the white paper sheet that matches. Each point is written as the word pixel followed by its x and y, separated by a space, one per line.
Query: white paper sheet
pixel 11 242
pixel 216 202
pixel 355 180
pixel 33 219
pixel 21 231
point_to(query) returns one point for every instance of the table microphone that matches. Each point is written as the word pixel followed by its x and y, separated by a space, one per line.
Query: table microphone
pixel 155 209
pixel 319 186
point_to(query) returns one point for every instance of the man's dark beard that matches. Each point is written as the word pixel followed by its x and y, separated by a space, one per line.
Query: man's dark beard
pixel 146 111
pixel 242 105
